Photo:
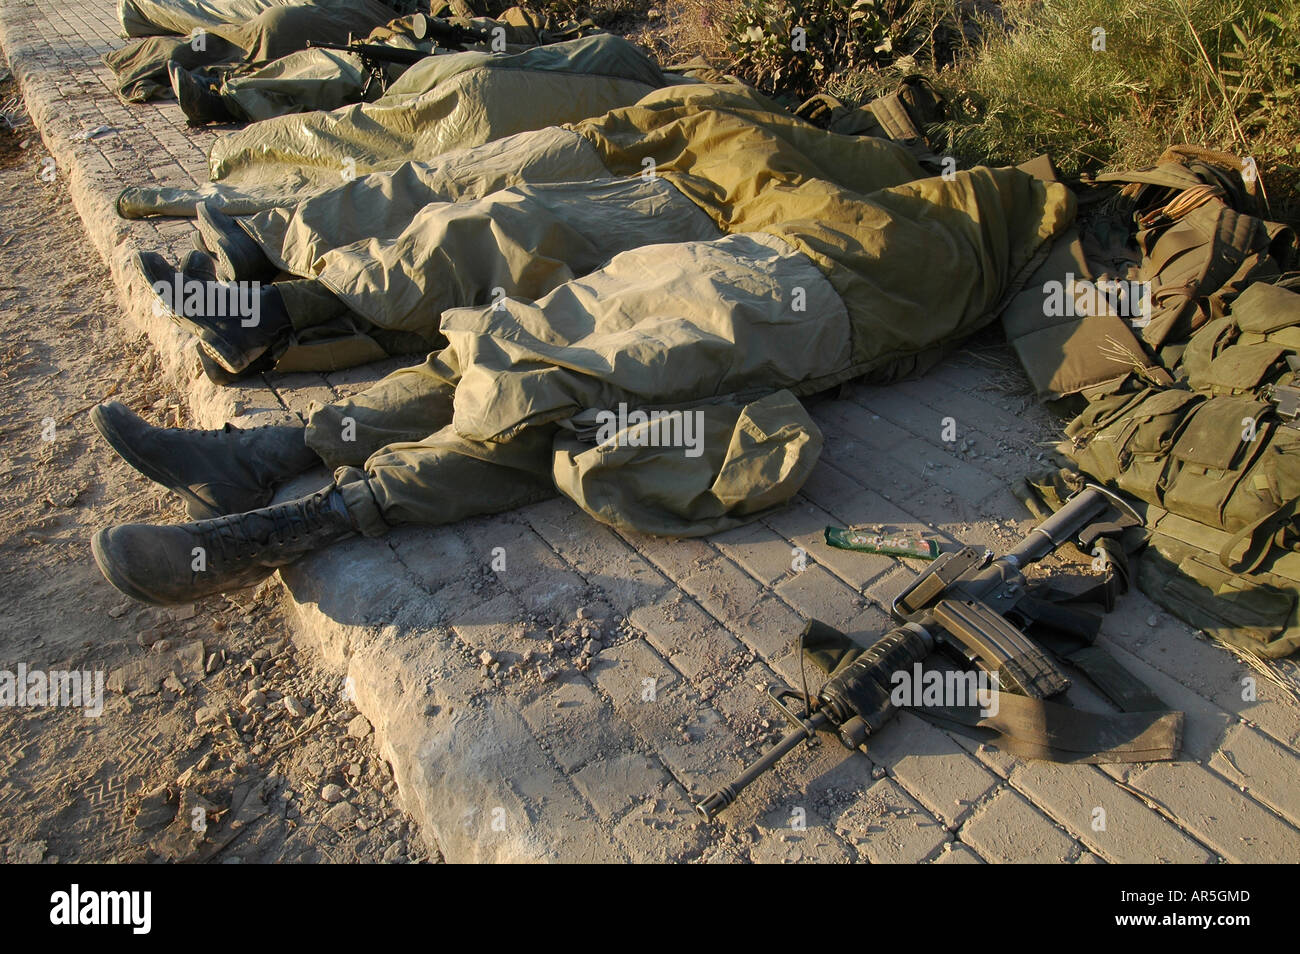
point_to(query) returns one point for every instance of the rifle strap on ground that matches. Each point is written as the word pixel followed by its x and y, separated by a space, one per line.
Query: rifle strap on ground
pixel 1118 684
pixel 1037 729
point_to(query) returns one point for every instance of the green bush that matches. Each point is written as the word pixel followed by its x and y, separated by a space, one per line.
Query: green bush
pixel 1025 77
pixel 794 45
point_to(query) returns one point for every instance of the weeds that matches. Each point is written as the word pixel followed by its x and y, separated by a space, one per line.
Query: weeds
pixel 1097 84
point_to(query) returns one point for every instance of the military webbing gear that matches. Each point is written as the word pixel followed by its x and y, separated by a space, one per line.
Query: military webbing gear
pixel 1226 463
pixel 1199 247
pixel 1219 460
pixel 1204 258
pixel 902 115
pixel 1202 425
pixel 1258 612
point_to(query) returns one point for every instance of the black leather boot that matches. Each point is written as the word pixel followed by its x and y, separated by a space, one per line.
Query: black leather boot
pixel 199 100
pixel 216 314
pixel 238 257
pixel 199 264
pixel 179 563
pixel 216 472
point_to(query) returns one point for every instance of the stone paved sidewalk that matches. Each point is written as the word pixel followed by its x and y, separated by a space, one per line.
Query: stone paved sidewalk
pixel 509 743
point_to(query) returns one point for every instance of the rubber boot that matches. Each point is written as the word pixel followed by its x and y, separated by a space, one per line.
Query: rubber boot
pixel 226 337
pixel 199 100
pixel 238 257
pixel 216 472
pixel 180 563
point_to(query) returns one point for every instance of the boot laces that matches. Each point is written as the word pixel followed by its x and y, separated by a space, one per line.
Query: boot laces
pixel 243 535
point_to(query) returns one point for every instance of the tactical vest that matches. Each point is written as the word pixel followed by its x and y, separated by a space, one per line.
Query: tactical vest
pixel 1200 426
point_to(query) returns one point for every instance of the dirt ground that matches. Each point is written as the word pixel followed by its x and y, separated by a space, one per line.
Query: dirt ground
pixel 219 739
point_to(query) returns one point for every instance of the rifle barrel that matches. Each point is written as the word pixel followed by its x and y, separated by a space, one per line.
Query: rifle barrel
pixel 724 796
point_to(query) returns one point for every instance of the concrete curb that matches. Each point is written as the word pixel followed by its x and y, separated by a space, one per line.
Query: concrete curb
pixel 446 775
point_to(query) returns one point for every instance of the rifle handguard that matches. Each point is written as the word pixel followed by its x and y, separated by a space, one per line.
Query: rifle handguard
pixel 863 688
pixel 856 700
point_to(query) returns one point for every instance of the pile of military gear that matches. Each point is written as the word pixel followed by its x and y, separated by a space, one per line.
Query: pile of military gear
pixel 982 611
pixel 1190 381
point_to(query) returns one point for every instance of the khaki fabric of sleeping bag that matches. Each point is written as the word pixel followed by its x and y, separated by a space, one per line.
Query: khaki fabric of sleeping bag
pixel 441 105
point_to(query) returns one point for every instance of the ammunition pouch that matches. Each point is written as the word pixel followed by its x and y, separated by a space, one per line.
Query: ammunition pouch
pixel 1221 461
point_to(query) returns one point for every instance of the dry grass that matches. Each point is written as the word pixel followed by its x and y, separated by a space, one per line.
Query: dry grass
pixel 1023 76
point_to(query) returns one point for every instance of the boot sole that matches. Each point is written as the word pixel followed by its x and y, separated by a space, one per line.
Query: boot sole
pixel 196 508
pixel 97 547
pixel 220 355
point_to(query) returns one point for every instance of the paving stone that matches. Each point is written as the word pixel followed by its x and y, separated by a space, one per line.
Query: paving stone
pixel 602 558
pixel 747 696
pixel 675 558
pixel 663 832
pixel 888 826
pixel 1252 760
pixel 797 837
pixel 435 557
pixel 816 594
pixel 763 553
pixel 1217 814
pixel 614 784
pixel 855 568
pixel 934 768
pixel 958 854
pixel 1104 817
pixel 691 738
pixel 575 724
pixel 632 675
pixel 1009 829
pixel 671 621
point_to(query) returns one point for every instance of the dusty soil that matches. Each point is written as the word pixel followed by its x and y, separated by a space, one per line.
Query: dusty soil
pixel 219 739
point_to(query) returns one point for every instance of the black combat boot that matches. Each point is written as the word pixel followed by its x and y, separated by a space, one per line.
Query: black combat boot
pixel 217 472
pixel 215 316
pixel 179 563
pixel 199 264
pixel 220 376
pixel 238 257
pixel 199 99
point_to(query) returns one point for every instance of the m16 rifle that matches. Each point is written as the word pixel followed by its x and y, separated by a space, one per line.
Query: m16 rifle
pixel 961 605
pixel 375 56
